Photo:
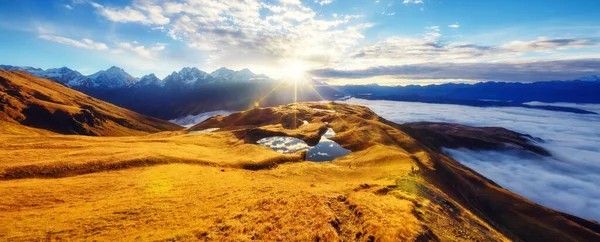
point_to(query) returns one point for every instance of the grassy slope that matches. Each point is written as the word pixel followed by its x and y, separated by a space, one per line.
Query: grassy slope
pixel 41 103
pixel 195 188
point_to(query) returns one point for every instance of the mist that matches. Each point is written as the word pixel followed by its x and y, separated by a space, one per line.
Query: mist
pixel 191 120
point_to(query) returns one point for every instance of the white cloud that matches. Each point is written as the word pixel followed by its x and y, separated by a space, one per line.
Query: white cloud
pixel 145 14
pixel 84 43
pixel 567 181
pixel 235 33
pixel 323 2
pixel 454 26
pixel 134 47
pixel 413 1
pixel 67 6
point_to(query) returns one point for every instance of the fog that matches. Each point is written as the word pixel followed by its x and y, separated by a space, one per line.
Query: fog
pixel 568 181
pixel 191 120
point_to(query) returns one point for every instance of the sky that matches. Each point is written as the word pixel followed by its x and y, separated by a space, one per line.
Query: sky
pixel 388 42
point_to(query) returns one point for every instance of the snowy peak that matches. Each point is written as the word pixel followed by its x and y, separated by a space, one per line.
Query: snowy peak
pixel 66 76
pixel 188 76
pixel 223 73
pixel 150 79
pixel 62 75
pixel 227 75
pixel 114 77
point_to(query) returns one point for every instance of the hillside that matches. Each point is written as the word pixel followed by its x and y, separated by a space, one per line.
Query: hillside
pixel 222 186
pixel 41 103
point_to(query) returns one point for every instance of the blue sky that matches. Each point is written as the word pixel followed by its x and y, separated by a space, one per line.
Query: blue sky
pixel 340 41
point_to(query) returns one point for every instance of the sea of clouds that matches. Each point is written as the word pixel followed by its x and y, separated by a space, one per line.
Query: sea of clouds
pixel 568 181
pixel 191 120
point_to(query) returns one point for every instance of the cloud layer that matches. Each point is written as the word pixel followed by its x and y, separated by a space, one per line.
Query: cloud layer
pixel 514 72
pixel 569 181
pixel 191 120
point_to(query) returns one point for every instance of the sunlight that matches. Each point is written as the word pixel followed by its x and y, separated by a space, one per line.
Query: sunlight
pixel 295 71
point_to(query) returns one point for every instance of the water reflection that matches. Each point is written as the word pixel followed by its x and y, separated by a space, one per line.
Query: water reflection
pixel 284 144
pixel 325 150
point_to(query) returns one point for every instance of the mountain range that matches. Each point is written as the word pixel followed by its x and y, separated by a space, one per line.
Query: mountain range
pixel 191 91
pixel 115 77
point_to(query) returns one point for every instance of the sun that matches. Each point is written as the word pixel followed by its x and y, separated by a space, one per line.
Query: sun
pixel 295 71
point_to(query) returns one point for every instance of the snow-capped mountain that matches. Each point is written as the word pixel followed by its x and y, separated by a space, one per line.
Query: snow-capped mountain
pixel 62 75
pixel 224 74
pixel 114 77
pixel 66 76
pixel 150 79
pixel 188 76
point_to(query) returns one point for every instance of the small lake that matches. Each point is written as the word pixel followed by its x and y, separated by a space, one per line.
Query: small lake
pixel 325 150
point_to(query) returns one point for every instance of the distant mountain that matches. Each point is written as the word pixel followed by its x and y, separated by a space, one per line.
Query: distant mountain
pixel 576 91
pixel 226 75
pixel 44 104
pixel 62 75
pixel 114 77
pixel 150 80
pixel 188 76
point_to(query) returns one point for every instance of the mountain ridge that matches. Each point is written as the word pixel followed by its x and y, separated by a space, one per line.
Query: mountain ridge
pixel 42 103
pixel 116 77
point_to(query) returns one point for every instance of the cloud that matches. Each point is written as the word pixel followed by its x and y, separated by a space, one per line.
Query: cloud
pixel 145 14
pixel 431 57
pixel 268 34
pixel 84 43
pixel 413 1
pixel 323 2
pixel 410 50
pixel 546 44
pixel 454 26
pixel 191 120
pixel 522 72
pixel 149 53
pixel 67 6
pixel 568 181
